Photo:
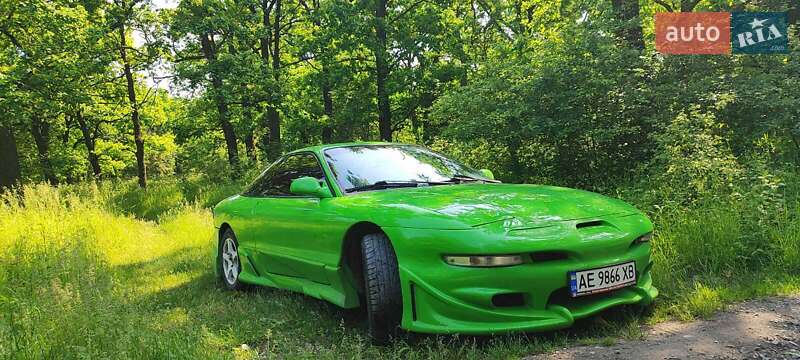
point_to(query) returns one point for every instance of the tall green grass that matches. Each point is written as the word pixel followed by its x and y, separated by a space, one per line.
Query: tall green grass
pixel 81 278
pixel 712 255
pixel 109 271
pixel 76 278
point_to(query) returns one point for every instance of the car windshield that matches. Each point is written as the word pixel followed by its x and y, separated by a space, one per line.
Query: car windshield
pixel 363 166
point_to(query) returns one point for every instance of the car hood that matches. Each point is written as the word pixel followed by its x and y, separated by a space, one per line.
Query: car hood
pixel 479 204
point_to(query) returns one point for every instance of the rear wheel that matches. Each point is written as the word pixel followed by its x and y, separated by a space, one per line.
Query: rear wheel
pixel 381 287
pixel 229 264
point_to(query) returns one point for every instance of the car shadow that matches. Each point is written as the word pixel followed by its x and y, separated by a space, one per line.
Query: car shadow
pixel 622 321
pixel 258 314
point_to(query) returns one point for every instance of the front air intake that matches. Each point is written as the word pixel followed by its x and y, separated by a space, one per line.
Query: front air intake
pixel 542 256
pixel 508 300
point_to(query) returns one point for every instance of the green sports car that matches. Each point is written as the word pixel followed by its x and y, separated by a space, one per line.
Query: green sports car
pixel 430 245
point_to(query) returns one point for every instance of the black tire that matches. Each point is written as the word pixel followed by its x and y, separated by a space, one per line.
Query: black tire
pixel 381 288
pixel 229 282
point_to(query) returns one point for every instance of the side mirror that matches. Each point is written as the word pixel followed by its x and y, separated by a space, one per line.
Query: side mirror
pixel 309 186
pixel 487 173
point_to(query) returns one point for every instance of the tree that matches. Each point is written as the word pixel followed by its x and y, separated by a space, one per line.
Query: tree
pixel 9 157
pixel 208 29
pixel 125 13
pixel 209 49
pixel 46 54
pixel 322 53
pixel 271 40
pixel 682 6
pixel 90 141
pixel 560 92
pixel 627 11
pixel 141 172
pixel 382 72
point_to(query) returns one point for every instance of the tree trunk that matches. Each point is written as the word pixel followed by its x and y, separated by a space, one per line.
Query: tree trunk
pixel 325 89
pixel 264 41
pixel 249 138
pixel 273 133
pixel 273 117
pixel 688 5
pixel 250 146
pixel 210 53
pixel 270 47
pixel 89 142
pixel 41 136
pixel 627 12
pixel 382 72
pixel 415 123
pixel 514 146
pixel 266 51
pixel 327 104
pixel 141 171
pixel 9 158
pixel 521 28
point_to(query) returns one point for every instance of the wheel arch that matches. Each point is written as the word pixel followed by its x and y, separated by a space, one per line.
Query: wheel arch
pixel 222 228
pixel 351 251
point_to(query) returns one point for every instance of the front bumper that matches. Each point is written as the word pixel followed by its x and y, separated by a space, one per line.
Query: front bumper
pixel 441 298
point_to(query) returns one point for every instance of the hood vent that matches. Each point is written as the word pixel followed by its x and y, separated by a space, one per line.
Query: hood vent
pixel 590 224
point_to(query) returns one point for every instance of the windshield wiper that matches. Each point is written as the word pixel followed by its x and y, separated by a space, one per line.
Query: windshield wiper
pixel 384 184
pixel 460 178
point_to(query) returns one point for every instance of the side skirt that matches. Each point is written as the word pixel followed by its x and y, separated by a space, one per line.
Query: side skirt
pixel 341 291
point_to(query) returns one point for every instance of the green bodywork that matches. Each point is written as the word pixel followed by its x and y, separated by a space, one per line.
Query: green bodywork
pixel 300 243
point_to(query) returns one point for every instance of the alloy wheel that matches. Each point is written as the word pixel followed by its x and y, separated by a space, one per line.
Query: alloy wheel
pixel 230 261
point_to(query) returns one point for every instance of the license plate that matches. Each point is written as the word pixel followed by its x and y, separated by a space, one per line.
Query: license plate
pixel 593 281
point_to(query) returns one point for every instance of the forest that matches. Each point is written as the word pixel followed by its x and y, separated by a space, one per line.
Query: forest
pixel 567 92
pixel 123 121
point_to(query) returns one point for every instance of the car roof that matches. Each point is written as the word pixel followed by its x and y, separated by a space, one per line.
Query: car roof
pixel 320 148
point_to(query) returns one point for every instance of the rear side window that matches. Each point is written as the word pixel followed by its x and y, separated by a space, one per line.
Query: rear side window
pixel 277 179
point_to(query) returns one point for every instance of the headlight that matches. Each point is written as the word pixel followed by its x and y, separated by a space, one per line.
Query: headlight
pixel 484 261
pixel 645 238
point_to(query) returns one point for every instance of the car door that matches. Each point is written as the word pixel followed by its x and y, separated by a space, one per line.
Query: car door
pixel 287 231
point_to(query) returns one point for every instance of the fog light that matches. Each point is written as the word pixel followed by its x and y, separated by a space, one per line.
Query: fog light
pixel 484 261
pixel 645 238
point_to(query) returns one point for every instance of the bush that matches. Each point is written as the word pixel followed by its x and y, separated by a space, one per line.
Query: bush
pixel 479 154
pixel 693 163
pixel 157 199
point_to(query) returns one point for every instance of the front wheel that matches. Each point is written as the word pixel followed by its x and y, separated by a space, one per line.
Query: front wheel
pixel 229 264
pixel 382 287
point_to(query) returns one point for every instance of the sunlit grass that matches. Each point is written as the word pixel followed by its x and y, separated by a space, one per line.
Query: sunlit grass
pixel 82 277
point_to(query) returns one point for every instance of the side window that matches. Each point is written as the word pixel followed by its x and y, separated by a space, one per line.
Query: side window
pixel 277 179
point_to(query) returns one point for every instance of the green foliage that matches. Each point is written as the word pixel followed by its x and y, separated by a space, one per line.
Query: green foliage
pixel 540 91
pixel 692 162
pixel 572 134
pixel 479 154
pixel 149 204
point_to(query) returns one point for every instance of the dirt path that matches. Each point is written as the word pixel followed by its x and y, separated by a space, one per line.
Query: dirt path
pixel 759 329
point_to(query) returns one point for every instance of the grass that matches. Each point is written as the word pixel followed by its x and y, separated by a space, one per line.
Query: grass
pixel 107 271
pixel 709 257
